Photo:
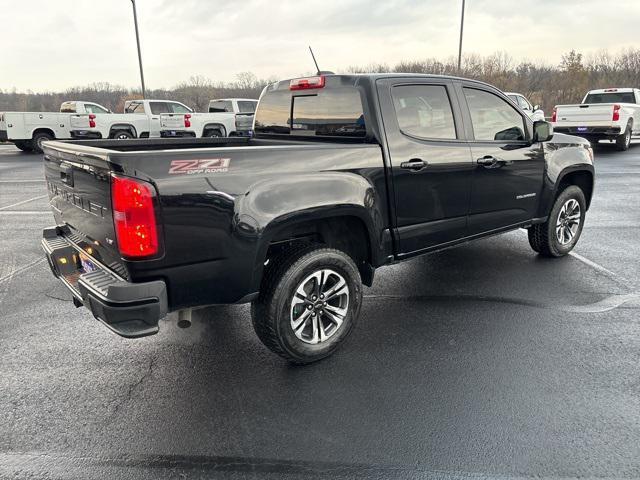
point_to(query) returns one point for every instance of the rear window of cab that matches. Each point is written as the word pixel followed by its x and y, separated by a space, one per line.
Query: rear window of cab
pixel 321 112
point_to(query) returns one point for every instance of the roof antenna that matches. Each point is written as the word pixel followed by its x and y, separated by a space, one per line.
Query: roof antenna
pixel 314 61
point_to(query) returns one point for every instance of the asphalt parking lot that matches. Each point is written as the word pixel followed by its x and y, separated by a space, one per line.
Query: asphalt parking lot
pixel 480 361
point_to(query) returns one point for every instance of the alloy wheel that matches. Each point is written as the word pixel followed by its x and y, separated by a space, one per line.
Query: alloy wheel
pixel 319 306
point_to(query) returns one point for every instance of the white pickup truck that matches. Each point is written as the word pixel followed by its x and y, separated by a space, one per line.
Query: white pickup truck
pixel 27 130
pixel 226 118
pixel 150 118
pixel 605 114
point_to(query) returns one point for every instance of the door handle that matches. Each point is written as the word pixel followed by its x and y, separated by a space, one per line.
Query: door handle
pixel 414 164
pixel 488 161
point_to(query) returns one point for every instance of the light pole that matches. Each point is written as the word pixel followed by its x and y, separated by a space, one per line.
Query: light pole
pixel 135 22
pixel 460 45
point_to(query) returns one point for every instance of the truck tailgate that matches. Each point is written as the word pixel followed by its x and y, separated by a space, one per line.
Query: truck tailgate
pixel 79 121
pixel 585 114
pixel 172 121
pixel 79 187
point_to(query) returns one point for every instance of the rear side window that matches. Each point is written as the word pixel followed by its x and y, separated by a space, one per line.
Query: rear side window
pixel 610 97
pixel 221 106
pixel 68 107
pixel 135 107
pixel 245 106
pixel 493 118
pixel 330 112
pixel 424 111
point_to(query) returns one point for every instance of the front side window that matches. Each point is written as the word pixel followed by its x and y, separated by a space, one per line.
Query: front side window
pixel 178 108
pixel 492 118
pixel 524 104
pixel 91 108
pixel 424 111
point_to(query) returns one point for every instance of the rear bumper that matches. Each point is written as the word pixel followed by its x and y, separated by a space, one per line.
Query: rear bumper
pixel 590 132
pixel 128 309
pixel 176 133
pixel 85 134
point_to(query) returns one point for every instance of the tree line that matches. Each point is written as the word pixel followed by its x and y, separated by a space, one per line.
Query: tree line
pixel 546 85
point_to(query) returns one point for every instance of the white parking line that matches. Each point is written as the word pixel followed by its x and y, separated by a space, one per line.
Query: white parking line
pixel 25 212
pixel 21 269
pixel 22 202
pixel 21 181
pixel 593 265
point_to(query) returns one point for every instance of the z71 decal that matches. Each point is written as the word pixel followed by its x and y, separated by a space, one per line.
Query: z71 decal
pixel 190 167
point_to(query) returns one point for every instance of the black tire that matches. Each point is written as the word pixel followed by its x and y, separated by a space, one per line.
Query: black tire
pixel 624 141
pixel 38 138
pixel 214 133
pixel 24 145
pixel 272 312
pixel 121 135
pixel 543 237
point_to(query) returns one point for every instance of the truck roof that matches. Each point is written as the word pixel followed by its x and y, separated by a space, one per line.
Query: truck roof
pixel 612 89
pixel 377 76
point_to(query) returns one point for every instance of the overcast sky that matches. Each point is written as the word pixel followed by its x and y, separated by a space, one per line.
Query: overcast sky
pixel 55 44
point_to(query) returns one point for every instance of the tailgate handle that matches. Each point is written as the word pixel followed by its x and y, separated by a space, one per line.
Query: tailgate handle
pixel 66 174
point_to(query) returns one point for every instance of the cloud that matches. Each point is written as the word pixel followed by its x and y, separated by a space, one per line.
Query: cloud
pixel 54 45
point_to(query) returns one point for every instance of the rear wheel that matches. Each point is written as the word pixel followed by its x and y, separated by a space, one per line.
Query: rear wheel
pixel 24 145
pixel 214 133
pixel 309 302
pixel 624 141
pixel 560 233
pixel 38 138
pixel 121 135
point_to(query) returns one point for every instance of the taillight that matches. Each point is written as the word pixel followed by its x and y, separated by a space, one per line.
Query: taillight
pixel 134 217
pixel 306 83
pixel 187 120
pixel 616 113
pixel 92 120
pixel 554 116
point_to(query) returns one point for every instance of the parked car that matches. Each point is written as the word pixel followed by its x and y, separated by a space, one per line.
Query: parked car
pixel 244 109
pixel 148 118
pixel 604 114
pixel 534 111
pixel 236 112
pixel 27 130
pixel 345 174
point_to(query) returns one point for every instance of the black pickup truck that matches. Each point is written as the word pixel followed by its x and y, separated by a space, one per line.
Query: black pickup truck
pixel 345 174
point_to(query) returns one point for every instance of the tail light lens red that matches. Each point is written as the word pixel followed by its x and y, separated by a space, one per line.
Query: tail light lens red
pixel 134 217
pixel 554 116
pixel 92 120
pixel 616 113
pixel 306 83
pixel 187 120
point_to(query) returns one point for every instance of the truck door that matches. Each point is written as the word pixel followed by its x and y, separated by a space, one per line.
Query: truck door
pixel 156 108
pixel 430 160
pixel 508 169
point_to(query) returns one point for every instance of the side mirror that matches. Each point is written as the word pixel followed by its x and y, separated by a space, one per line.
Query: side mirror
pixel 542 131
pixel 536 107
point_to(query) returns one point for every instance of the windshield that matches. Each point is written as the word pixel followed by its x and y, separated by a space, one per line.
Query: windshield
pixel 610 97
pixel 329 112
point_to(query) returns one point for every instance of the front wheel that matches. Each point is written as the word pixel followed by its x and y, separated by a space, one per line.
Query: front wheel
pixel 309 302
pixel 37 141
pixel 24 145
pixel 121 135
pixel 560 233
